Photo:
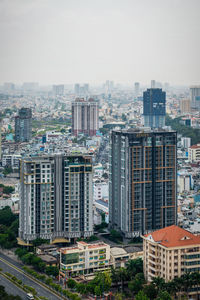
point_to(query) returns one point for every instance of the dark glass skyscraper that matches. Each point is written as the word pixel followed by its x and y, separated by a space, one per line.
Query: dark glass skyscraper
pixel 23 125
pixel 154 110
pixel 142 180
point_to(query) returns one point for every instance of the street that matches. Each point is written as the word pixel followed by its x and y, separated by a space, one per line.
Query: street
pixel 11 288
pixel 41 290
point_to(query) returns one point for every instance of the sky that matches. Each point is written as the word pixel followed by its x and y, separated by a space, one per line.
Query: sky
pixel 69 41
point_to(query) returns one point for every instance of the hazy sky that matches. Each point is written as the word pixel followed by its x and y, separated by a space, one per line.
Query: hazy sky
pixel 67 41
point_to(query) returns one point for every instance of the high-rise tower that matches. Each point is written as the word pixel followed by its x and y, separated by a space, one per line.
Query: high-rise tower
pixel 154 110
pixel 23 125
pixel 195 96
pixel 85 116
pixel 56 197
pixel 142 180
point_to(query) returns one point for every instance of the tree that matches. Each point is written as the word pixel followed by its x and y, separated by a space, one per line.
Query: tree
pixel 164 295
pixel 141 296
pixel 150 291
pixel 39 241
pixel 134 266
pixel 52 270
pixel 123 276
pixel 159 283
pixel 71 283
pixel 137 284
pixel 7 216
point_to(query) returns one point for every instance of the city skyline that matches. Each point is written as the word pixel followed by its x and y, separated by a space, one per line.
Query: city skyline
pixel 92 41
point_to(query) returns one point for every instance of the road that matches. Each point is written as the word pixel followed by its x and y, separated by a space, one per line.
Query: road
pixel 11 288
pixel 8 265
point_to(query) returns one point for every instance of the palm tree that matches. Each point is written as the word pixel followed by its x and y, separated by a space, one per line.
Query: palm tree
pixel 123 275
pixel 171 288
pixel 178 283
pixel 187 282
pixel 159 283
pixel 195 279
pixel 134 266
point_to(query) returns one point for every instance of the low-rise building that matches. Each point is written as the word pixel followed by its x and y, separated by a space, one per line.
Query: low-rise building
pixel 194 153
pixel 84 258
pixel 170 252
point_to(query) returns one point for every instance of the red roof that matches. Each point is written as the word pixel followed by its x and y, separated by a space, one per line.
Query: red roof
pixel 174 236
pixel 195 146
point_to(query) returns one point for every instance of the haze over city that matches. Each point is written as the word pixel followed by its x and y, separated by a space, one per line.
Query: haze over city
pixel 91 41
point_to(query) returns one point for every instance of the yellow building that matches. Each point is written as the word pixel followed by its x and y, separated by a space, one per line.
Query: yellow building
pixel 170 252
pixel 84 258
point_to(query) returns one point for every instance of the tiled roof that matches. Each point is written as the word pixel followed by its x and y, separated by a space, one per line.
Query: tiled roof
pixel 195 146
pixel 174 236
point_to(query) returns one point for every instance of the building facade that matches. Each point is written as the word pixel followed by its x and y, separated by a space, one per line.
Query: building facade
pixel 195 96
pixel 84 258
pixel 170 252
pixel 56 197
pixel 194 153
pixel 58 89
pixel 154 108
pixel 85 116
pixel 11 160
pixel 185 106
pixel 23 125
pixel 142 180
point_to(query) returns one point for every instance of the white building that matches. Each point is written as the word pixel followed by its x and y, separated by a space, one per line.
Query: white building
pixel 11 160
pixel 84 258
pixel 194 153
pixel 185 142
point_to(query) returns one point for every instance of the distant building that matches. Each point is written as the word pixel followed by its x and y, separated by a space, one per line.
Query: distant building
pixel 58 89
pixel 9 86
pixel 77 89
pixel 142 180
pixel 169 253
pixel 85 116
pixel 23 125
pixel 186 142
pixel 56 197
pixel 194 153
pixel 154 108
pixel 137 88
pixel 153 84
pixel 11 160
pixel 30 86
pixel 185 106
pixel 195 96
pixel 84 258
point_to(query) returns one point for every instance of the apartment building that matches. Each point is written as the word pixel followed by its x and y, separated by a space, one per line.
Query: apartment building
pixel 142 180
pixel 85 116
pixel 56 197
pixel 194 153
pixel 84 258
pixel 11 160
pixel 23 125
pixel 170 252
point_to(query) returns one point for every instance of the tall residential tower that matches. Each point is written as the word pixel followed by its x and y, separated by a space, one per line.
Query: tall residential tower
pixel 56 197
pixel 23 125
pixel 154 110
pixel 85 116
pixel 142 180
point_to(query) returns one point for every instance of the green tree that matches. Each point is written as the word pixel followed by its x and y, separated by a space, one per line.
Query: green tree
pixel 137 283
pixel 52 271
pixel 134 266
pixel 7 216
pixel 141 296
pixel 71 283
pixel 164 295
pixel 150 291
